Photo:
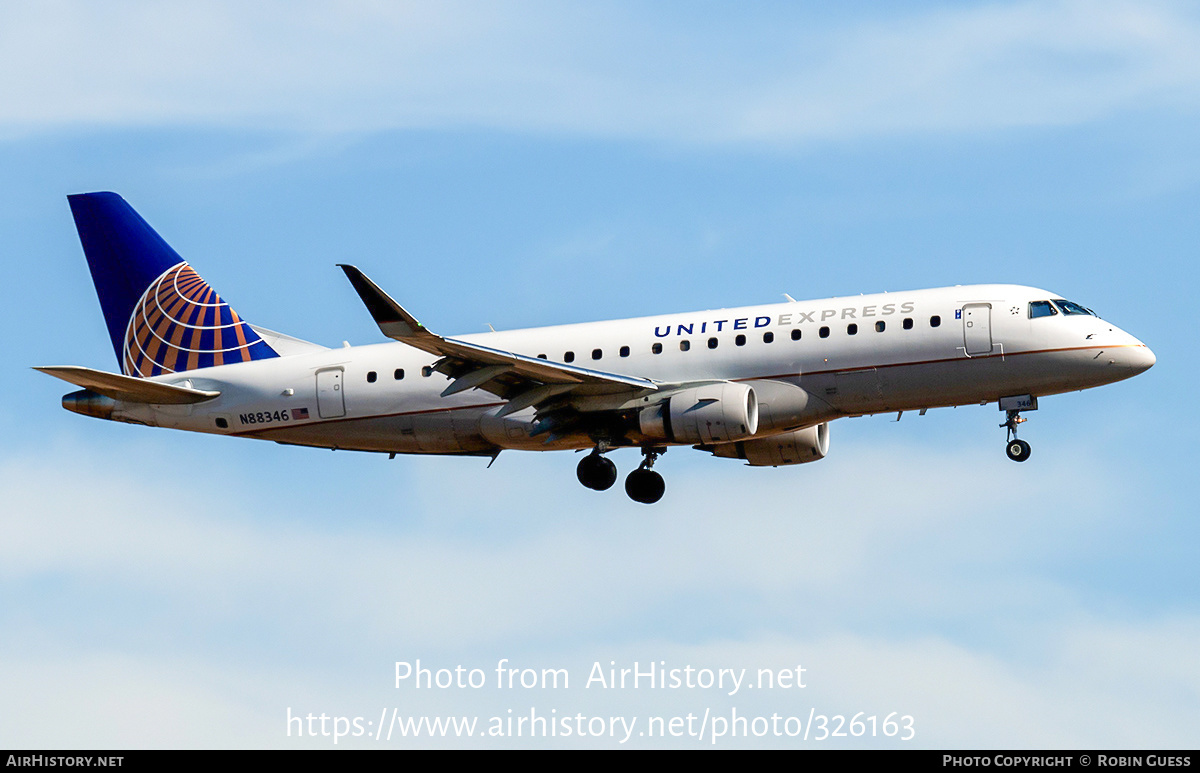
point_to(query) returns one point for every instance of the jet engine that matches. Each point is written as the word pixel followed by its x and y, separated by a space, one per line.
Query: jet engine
pixel 803 445
pixel 712 413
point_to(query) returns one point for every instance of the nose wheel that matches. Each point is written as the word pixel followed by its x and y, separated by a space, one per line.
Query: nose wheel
pixel 644 485
pixel 1017 450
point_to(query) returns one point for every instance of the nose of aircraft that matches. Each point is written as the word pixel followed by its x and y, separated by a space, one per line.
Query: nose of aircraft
pixel 1139 358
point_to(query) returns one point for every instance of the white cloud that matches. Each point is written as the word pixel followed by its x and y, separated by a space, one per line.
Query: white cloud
pixel 893 572
pixel 621 71
pixel 1097 684
pixel 93 698
pixel 522 546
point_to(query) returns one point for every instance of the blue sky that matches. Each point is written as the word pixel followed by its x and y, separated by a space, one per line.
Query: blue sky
pixel 520 164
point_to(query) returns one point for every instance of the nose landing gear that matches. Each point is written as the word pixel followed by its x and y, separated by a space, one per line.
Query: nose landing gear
pixel 1017 450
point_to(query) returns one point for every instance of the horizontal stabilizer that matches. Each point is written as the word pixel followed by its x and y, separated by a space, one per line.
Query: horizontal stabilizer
pixel 128 388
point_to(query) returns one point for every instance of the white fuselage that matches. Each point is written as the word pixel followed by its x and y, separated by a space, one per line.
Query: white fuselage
pixel 809 362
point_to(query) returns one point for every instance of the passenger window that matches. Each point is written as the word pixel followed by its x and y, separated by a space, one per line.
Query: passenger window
pixel 569 357
pixel 795 334
pixel 908 323
pixel 1041 309
pixel 935 321
pixel 426 371
pixel 852 329
pixel 880 326
pixel 398 373
pixel 597 354
pixel 684 345
pixel 624 351
pixel 740 340
pixel 371 377
pixel 656 349
pixel 712 343
pixel 823 332
pixel 543 357
pixel 768 337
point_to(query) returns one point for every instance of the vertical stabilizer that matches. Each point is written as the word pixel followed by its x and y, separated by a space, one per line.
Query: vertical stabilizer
pixel 162 317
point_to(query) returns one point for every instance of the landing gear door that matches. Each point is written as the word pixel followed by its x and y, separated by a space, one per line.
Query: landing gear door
pixel 977 328
pixel 331 401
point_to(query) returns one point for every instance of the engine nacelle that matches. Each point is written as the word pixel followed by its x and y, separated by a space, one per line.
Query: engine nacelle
pixel 713 413
pixel 803 445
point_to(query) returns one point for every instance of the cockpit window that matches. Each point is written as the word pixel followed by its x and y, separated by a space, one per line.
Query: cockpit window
pixel 1041 309
pixel 1069 307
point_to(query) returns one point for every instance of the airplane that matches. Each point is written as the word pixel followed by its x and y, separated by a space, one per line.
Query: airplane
pixel 759 383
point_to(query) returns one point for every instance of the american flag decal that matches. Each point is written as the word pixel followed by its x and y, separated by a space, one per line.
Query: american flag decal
pixel 300 413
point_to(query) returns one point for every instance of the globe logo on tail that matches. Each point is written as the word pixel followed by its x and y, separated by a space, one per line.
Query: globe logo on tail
pixel 180 324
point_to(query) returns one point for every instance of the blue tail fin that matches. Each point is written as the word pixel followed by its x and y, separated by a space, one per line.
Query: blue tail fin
pixel 162 317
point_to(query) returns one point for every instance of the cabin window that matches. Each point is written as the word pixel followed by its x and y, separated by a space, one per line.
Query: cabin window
pixel 880 326
pixel 768 337
pixel 852 329
pixel 908 323
pixel 684 345
pixel 712 343
pixel 624 351
pixel 427 371
pixel 597 354
pixel 222 423
pixel 935 321
pixel 740 340
pixel 398 373
pixel 656 349
pixel 823 332
pixel 542 357
pixel 569 357
pixel 796 334
pixel 371 376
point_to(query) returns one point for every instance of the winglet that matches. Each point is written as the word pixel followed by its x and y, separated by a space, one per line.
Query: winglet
pixel 393 320
pixel 471 363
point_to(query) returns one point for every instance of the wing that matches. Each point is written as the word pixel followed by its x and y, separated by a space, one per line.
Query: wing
pixel 522 380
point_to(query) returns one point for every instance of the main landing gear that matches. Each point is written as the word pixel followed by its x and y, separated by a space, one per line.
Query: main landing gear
pixel 596 472
pixel 1017 450
pixel 643 485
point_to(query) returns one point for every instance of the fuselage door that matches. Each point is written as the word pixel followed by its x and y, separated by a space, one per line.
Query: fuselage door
pixel 331 402
pixel 977 328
